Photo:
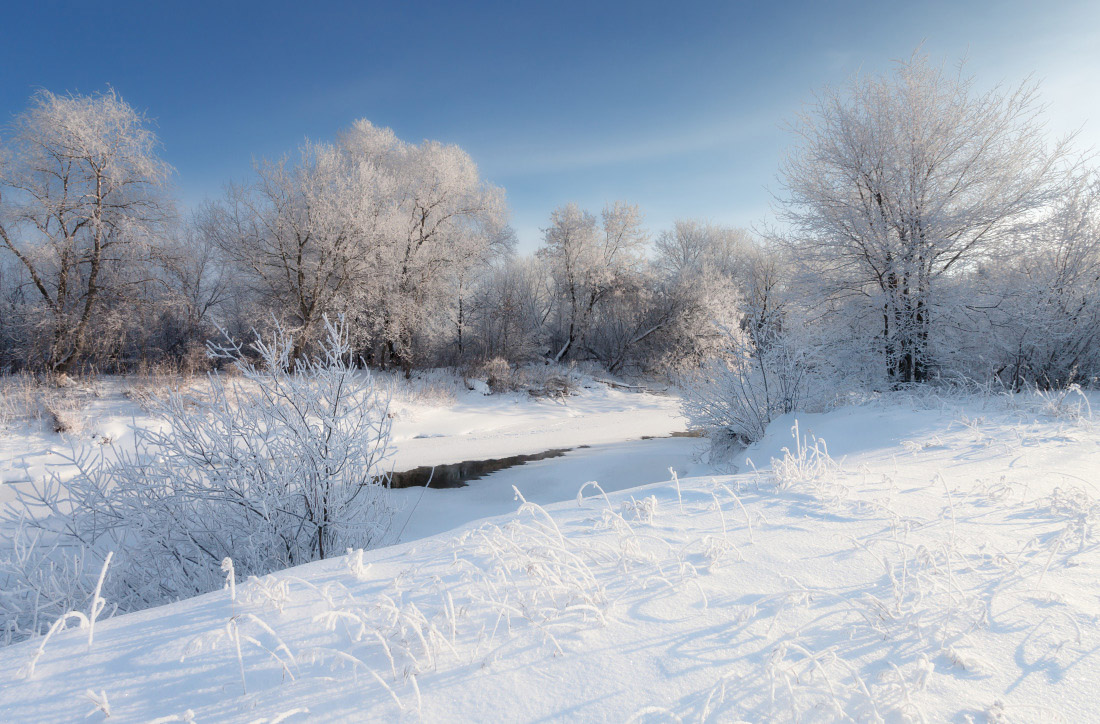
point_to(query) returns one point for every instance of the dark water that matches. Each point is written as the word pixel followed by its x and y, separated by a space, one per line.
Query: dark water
pixel 680 433
pixel 456 475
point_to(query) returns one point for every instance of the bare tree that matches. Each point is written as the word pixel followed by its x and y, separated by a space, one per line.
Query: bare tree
pixel 509 310
pixel 691 246
pixel 903 178
pixel 705 270
pixel 197 283
pixel 445 220
pixel 296 233
pixel 588 261
pixel 80 185
pixel 1038 303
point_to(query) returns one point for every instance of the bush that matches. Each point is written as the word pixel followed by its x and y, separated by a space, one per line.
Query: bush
pixel 279 467
pixel 736 394
pixel 498 375
pixel 55 401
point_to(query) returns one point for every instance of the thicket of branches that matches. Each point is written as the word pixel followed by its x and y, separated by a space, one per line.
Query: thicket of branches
pixel 281 465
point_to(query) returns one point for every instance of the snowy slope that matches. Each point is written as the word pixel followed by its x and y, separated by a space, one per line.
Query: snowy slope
pixel 941 565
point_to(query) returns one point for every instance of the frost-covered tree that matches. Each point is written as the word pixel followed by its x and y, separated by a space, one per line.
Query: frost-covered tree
pixel 443 221
pixel 297 233
pixel 369 226
pixel 1033 313
pixel 899 180
pixel 745 359
pixel 80 200
pixel 691 247
pixel 197 285
pixel 467 285
pixel 703 271
pixel 589 260
pixel 511 304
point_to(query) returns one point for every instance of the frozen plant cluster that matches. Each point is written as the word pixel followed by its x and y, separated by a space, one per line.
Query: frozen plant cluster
pixel 281 465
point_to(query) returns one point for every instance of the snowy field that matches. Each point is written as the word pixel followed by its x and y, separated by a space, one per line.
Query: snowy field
pixel 938 563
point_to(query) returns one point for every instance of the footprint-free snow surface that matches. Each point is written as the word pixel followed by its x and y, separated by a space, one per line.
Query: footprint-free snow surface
pixel 934 564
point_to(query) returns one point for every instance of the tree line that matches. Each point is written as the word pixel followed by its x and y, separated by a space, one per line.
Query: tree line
pixel 405 241
pixel 925 231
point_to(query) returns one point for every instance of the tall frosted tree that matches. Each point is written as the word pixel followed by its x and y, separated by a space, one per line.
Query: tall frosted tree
pixel 900 179
pixel 80 197
pixel 589 259
pixel 296 233
pixel 443 219
pixel 1038 304
pixel 368 226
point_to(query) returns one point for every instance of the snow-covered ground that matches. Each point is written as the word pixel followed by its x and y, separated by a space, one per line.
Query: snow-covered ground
pixel 940 565
pixel 616 465
pixel 465 425
pixel 477 427
pixel 600 426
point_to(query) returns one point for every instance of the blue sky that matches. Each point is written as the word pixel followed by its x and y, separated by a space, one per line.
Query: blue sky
pixel 678 107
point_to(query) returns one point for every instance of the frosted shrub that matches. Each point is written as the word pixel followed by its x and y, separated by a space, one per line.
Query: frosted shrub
pixel 550 380
pixel 55 401
pixel 430 388
pixel 1067 403
pixel 739 392
pixel 497 373
pixel 281 466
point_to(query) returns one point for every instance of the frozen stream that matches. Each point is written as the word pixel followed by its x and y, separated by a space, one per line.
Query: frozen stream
pixel 592 435
pixel 614 466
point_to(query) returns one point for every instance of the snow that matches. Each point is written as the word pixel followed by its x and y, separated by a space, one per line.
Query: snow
pixel 941 564
pixel 615 465
pixel 479 427
pixel 29 450
pixel 472 427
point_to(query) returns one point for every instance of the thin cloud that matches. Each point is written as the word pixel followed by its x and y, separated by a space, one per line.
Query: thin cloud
pixel 564 156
